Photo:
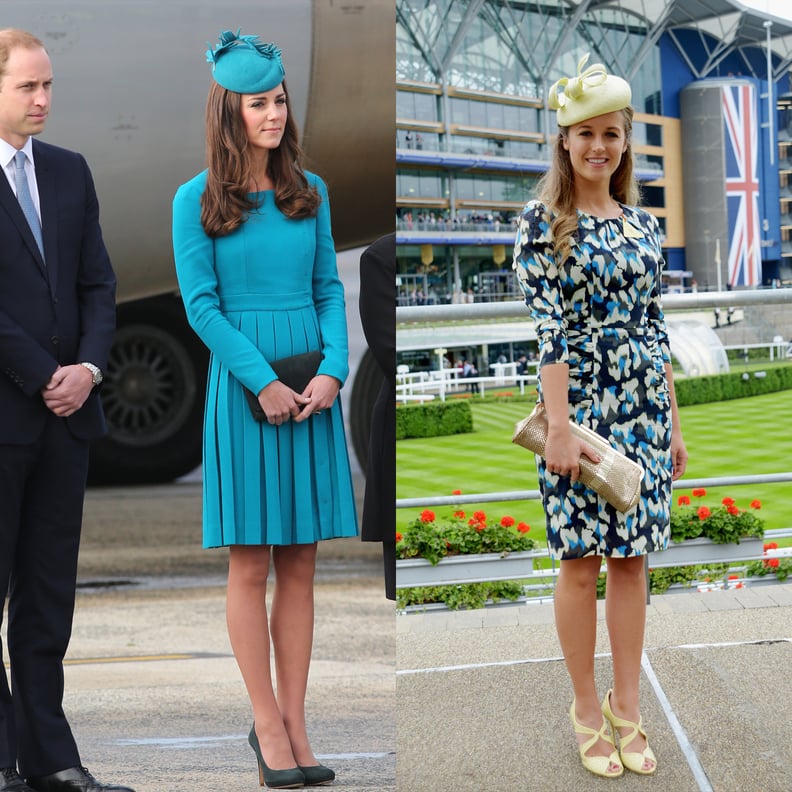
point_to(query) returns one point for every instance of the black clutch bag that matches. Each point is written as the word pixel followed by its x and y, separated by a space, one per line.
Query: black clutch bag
pixel 295 372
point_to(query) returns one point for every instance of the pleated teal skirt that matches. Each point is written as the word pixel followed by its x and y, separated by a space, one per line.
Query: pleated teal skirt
pixel 265 484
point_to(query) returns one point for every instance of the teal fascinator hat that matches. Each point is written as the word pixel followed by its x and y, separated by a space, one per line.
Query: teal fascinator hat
pixel 244 65
pixel 592 93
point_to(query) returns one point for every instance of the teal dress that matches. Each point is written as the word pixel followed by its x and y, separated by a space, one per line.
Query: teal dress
pixel 268 290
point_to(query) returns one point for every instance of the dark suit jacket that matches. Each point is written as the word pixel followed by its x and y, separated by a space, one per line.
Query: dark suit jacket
pixel 378 315
pixel 56 314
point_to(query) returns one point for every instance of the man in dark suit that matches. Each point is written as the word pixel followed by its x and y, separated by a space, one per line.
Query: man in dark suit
pixel 57 316
pixel 378 316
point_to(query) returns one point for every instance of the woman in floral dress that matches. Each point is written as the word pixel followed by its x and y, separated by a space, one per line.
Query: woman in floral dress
pixel 589 263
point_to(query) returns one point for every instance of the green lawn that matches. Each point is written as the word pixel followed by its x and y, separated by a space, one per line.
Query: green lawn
pixel 738 437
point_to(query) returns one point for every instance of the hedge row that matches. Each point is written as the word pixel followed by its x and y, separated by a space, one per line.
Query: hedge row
pixel 734 385
pixel 437 418
pixel 433 419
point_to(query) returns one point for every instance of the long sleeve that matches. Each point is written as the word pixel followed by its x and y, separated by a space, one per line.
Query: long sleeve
pixel 74 300
pixel 654 310
pixel 195 270
pixel 377 303
pixel 96 284
pixel 540 282
pixel 271 261
pixel 328 294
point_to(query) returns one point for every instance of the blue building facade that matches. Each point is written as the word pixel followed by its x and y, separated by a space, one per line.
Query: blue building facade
pixel 474 133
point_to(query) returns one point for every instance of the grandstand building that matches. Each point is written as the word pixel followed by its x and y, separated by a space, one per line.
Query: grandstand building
pixel 712 138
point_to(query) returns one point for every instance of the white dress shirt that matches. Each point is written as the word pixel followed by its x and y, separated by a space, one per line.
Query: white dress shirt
pixel 7 152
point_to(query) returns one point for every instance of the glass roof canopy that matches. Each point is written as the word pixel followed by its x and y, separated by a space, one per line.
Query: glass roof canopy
pixel 493 33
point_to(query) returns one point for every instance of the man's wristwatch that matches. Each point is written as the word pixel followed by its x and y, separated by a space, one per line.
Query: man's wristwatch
pixel 96 372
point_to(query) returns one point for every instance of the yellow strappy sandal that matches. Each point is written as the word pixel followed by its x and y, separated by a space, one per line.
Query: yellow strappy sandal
pixel 632 760
pixel 599 765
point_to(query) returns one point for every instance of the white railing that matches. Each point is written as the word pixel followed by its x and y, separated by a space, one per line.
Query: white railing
pixel 427 387
pixel 423 386
pixel 512 309
pixel 776 349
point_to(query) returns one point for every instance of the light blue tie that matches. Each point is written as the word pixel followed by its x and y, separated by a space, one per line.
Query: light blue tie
pixel 25 199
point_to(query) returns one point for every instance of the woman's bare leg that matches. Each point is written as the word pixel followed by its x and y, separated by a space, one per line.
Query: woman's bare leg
pixel 248 631
pixel 625 608
pixel 292 626
pixel 575 603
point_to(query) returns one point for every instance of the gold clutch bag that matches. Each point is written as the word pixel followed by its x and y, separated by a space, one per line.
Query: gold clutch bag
pixel 615 478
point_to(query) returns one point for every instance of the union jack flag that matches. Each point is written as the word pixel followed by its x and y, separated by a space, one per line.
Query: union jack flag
pixel 742 185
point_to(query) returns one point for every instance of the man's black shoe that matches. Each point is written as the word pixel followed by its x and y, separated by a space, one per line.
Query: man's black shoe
pixel 11 782
pixel 75 779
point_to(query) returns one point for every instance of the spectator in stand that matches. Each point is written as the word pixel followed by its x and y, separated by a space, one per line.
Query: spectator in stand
pixel 468 371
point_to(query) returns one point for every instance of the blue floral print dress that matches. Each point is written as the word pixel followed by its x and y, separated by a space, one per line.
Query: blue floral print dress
pixel 600 313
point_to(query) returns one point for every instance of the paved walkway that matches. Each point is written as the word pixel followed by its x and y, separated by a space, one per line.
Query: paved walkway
pixel 156 700
pixel 483 697
pixel 153 692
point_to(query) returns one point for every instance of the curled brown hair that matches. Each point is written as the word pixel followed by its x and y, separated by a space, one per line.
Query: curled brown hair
pixel 556 188
pixel 225 202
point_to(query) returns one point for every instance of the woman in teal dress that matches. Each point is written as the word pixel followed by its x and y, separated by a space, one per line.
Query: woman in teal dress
pixel 257 271
pixel 589 263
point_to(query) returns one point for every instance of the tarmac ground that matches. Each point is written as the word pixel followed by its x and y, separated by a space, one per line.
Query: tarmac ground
pixel 484 695
pixel 153 693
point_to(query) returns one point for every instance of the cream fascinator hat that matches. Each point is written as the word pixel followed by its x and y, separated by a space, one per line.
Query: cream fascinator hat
pixel 592 93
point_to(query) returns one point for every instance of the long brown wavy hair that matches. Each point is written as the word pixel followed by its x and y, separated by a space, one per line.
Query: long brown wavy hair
pixel 225 203
pixel 556 188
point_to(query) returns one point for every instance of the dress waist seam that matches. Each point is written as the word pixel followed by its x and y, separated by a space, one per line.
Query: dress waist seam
pixel 259 302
